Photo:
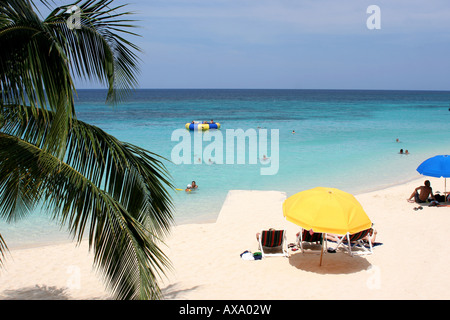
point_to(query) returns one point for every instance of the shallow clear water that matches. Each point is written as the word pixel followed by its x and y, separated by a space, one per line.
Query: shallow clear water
pixel 344 139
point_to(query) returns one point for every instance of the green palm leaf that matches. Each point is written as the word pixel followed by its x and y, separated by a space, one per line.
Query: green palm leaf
pixel 123 247
pixel 97 49
pixel 34 69
pixel 134 176
pixel 110 191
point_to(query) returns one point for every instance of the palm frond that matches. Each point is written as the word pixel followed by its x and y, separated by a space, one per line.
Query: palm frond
pixel 3 249
pixel 111 191
pixel 98 51
pixel 124 249
pixel 132 175
pixel 34 69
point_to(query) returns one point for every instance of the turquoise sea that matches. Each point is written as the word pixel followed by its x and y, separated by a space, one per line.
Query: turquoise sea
pixel 343 138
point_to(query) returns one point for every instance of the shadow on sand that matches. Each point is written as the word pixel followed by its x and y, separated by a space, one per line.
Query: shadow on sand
pixel 172 293
pixel 35 293
pixel 332 263
pixel 39 293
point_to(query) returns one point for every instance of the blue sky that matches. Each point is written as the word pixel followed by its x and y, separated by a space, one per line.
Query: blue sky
pixel 299 44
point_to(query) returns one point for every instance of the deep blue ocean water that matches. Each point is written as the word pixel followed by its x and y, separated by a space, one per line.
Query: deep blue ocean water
pixel 343 138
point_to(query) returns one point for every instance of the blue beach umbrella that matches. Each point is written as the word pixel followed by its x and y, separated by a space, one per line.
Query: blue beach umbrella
pixel 437 166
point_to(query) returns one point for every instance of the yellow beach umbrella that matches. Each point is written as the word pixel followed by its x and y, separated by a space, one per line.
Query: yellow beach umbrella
pixel 326 210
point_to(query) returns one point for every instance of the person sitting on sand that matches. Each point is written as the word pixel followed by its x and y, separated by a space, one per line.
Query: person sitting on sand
pixel 422 193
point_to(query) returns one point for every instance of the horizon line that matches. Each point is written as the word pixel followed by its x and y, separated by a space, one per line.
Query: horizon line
pixel 316 89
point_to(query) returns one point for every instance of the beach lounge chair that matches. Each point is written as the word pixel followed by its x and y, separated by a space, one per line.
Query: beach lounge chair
pixel 305 236
pixel 356 241
pixel 273 243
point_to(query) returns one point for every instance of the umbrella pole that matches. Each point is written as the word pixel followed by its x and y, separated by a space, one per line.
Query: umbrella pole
pixel 321 254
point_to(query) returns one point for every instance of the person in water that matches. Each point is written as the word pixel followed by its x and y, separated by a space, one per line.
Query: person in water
pixel 191 186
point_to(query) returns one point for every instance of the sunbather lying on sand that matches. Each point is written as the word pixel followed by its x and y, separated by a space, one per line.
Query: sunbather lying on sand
pixel 371 236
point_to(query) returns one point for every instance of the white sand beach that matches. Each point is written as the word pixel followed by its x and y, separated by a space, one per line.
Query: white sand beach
pixel 410 263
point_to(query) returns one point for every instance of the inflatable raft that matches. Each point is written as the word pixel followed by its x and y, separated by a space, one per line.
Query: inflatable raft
pixel 202 126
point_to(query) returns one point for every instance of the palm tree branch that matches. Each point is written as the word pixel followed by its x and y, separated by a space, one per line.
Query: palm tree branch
pixel 96 49
pixel 124 250
pixel 134 176
pixel 34 69
pixel 3 249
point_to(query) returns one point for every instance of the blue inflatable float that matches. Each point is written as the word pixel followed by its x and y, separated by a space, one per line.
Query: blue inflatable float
pixel 202 126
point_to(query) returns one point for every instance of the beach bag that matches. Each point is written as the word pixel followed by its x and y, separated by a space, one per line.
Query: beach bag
pixel 247 255
pixel 257 256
